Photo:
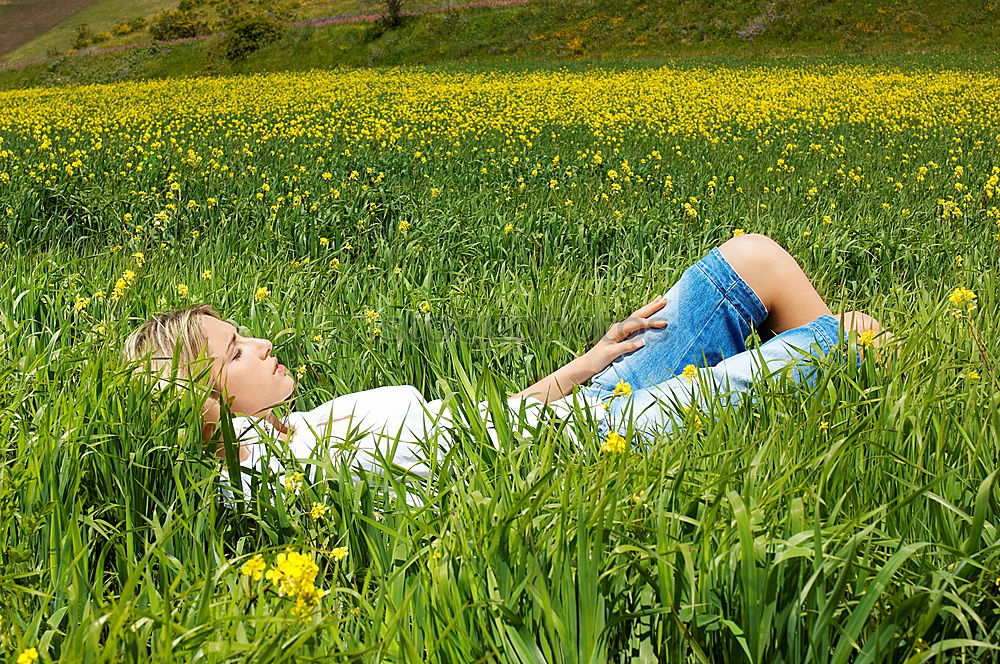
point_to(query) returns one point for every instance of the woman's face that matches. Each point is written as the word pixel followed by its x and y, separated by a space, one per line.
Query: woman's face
pixel 244 369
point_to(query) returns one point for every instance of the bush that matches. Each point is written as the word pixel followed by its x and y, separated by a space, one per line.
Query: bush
pixel 83 36
pixel 176 24
pixel 247 32
pixel 101 37
pixel 122 28
pixel 138 23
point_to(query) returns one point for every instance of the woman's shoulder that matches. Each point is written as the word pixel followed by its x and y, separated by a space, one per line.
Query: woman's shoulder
pixel 384 399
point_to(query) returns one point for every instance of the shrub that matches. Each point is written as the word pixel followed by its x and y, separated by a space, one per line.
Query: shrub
pixel 249 30
pixel 83 36
pixel 176 24
pixel 138 23
pixel 122 28
pixel 101 37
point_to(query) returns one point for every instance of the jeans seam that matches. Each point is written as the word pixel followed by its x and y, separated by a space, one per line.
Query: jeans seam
pixel 737 305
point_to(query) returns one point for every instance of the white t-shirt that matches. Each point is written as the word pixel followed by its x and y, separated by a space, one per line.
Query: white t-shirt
pixel 387 422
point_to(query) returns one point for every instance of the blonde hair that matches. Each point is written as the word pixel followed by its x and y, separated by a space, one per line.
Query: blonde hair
pixel 163 334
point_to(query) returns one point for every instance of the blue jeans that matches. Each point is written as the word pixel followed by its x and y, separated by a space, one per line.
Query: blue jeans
pixel 710 312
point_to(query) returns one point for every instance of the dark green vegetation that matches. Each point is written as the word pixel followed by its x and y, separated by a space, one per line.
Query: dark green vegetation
pixel 567 31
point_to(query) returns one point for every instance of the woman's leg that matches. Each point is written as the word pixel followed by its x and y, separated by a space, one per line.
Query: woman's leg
pixel 748 282
pixel 775 276
pixel 661 408
pixel 710 311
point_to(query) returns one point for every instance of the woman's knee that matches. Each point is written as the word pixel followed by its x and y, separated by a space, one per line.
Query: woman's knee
pixel 753 252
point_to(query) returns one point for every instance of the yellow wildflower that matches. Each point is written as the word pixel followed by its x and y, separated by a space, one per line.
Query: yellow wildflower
pixel 206 274
pixel 866 338
pixel 339 553
pixel 261 294
pixel 425 306
pixel 690 371
pixel 183 291
pixel 28 656
pixel 508 229
pixel 293 482
pixel 614 443
pixel 622 388
pixel 81 303
pixel 318 510
pixel 404 226
pixel 254 568
pixel 324 241
pixel 738 232
pixel 961 296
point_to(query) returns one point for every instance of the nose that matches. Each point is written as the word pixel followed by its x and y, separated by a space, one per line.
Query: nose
pixel 267 346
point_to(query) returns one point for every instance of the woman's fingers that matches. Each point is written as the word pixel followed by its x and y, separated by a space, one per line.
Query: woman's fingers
pixel 652 307
pixel 629 326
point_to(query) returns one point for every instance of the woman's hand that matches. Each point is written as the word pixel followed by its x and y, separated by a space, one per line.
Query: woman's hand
pixel 612 345
pixel 616 342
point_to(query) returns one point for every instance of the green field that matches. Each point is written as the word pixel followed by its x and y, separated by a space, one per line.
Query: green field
pixel 571 31
pixel 857 522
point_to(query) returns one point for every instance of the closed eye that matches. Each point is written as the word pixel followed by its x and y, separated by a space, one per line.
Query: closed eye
pixel 236 356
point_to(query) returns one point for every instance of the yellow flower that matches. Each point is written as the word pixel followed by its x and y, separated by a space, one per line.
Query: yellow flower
pixel 261 294
pixel 301 371
pixel 28 656
pixel 823 426
pixel 698 422
pixel 371 315
pixel 318 510
pixel 254 568
pixel 622 388
pixel 293 575
pixel 339 553
pixel 139 258
pixel 377 332
pixel 324 241
pixel 690 371
pixel 195 234
pixel 972 374
pixel 508 229
pixel 128 276
pixel 293 482
pixel 425 306
pixel 614 443
pixel 183 290
pixel 404 226
pixel 119 290
pixel 317 337
pixel 738 232
pixel 435 191
pixel 81 303
pixel 867 338
pixel 206 274
pixel 961 296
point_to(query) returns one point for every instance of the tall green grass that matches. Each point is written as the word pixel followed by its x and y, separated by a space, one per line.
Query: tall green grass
pixel 857 522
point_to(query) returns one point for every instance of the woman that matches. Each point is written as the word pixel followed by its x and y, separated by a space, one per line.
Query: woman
pixel 677 351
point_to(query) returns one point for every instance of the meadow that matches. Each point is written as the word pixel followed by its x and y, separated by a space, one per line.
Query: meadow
pixel 468 232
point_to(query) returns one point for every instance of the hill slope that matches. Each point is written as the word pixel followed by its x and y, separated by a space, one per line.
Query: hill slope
pixel 560 30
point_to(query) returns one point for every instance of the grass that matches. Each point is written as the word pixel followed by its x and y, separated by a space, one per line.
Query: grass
pixel 103 15
pixel 560 31
pixel 856 522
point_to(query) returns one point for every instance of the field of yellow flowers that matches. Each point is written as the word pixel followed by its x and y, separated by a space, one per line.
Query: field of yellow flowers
pixel 467 232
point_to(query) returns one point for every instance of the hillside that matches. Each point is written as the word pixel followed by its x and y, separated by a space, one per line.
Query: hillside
pixel 560 30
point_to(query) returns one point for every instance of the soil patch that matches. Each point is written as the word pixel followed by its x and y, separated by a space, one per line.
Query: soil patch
pixel 23 20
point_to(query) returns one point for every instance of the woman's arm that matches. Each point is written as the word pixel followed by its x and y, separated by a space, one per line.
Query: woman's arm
pixel 611 346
